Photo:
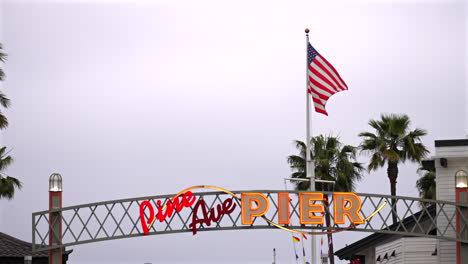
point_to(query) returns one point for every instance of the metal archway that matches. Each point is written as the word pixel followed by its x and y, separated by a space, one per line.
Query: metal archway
pixel 121 219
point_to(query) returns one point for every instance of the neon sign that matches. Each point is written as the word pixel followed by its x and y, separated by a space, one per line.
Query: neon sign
pixel 346 206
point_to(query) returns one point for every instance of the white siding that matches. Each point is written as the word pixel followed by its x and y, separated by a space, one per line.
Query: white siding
pixel 408 250
pixel 452 152
pixel 369 254
pixel 388 248
pixel 445 189
pixel 418 250
pixel 457 158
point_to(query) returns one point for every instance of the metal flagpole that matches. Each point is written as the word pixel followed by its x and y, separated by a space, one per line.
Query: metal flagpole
pixel 292 236
pixel 274 255
pixel 310 166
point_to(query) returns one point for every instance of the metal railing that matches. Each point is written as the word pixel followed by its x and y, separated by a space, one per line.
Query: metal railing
pixel 121 218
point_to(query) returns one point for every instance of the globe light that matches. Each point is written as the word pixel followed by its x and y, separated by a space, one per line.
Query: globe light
pixel 55 183
pixel 461 179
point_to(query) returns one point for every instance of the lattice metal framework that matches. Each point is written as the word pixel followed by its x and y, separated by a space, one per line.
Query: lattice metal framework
pixel 121 218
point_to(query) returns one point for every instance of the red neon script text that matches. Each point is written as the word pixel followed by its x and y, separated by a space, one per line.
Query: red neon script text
pixel 164 212
pixel 226 207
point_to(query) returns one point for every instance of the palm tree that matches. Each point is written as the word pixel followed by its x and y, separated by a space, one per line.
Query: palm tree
pixel 7 183
pixel 391 144
pixel 4 101
pixel 2 59
pixel 333 162
pixel 426 184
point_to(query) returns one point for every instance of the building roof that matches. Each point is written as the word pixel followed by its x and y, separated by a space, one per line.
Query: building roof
pixel 451 143
pixel 374 239
pixel 12 247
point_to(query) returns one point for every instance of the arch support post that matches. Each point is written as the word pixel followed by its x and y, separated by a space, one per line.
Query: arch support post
pixel 55 218
pixel 462 228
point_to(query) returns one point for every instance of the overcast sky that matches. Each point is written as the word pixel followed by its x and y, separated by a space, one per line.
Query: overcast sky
pixel 135 98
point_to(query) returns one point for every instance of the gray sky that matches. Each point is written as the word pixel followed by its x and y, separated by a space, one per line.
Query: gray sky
pixel 135 98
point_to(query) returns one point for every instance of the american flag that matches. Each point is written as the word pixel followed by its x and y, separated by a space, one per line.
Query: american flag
pixel 323 80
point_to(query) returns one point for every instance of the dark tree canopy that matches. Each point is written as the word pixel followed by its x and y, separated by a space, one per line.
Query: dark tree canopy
pixel 8 184
pixel 392 142
pixel 333 161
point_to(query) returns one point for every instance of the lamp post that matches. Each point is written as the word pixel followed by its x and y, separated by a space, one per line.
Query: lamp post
pixel 55 218
pixel 461 184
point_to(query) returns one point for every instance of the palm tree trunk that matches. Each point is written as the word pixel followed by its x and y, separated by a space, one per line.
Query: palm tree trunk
pixel 392 173
pixel 331 257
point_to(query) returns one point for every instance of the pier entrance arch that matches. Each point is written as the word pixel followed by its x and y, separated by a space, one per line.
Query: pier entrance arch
pixel 222 210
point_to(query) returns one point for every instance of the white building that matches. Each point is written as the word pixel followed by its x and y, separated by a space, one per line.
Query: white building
pixel 450 158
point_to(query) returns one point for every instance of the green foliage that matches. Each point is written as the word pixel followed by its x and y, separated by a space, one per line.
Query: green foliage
pixel 7 184
pixel 4 101
pixel 333 161
pixel 426 184
pixel 392 141
pixel 2 59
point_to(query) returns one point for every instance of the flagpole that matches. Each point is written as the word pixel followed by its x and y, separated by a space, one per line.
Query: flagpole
pixel 310 166
pixel 274 255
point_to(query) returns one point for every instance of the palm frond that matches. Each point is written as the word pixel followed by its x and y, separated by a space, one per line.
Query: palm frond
pixel 376 161
pixel 398 124
pixel 298 174
pixel 333 161
pixel 368 135
pixel 8 186
pixel 417 133
pixel 301 146
pixel 3 121
pixel 375 124
pixel 392 140
pixel 296 162
pixel 427 186
pixel 15 182
pixel 3 57
pixel 4 101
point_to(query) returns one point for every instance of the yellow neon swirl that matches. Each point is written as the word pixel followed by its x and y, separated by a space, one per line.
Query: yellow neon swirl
pixel 376 211
pixel 269 221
